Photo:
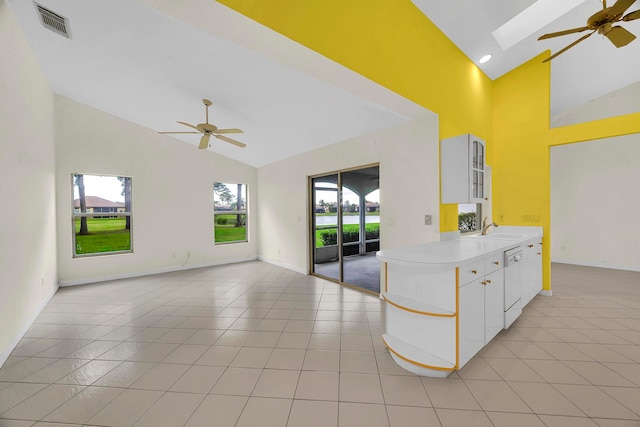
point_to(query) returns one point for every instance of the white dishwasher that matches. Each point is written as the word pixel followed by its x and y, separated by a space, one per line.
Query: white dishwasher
pixel 512 286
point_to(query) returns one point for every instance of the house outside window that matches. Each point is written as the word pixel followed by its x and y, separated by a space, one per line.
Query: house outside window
pixel 101 218
pixel 230 212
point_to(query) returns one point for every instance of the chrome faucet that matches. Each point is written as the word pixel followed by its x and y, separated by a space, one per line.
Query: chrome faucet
pixel 485 227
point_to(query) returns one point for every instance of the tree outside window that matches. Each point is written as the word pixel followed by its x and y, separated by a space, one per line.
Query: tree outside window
pixel 230 212
pixel 469 217
pixel 101 215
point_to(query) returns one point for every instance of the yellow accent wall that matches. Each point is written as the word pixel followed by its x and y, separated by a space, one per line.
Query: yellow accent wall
pixel 521 144
pixel 392 43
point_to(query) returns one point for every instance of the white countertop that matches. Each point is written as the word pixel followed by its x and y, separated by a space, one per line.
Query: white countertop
pixel 464 249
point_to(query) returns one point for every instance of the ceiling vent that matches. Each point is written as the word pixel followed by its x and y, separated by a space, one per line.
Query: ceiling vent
pixel 53 21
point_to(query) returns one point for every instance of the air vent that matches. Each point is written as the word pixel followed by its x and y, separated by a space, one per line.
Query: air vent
pixel 53 21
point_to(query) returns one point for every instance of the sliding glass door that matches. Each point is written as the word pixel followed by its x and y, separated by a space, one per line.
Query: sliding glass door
pixel 325 227
pixel 345 227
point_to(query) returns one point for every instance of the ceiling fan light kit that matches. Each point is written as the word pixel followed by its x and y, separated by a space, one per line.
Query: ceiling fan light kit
pixel 207 130
pixel 602 23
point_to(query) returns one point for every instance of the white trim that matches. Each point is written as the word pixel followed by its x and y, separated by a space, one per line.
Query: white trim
pixel 283 265
pixel 545 293
pixel 65 283
pixel 597 265
pixel 16 339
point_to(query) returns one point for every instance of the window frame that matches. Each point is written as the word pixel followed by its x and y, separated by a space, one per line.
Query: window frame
pixel 478 228
pixel 244 212
pixel 77 214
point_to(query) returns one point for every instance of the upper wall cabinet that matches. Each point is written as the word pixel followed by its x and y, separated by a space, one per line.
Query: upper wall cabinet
pixel 462 168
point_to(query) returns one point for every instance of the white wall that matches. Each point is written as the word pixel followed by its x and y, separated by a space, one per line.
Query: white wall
pixel 172 187
pixel 28 274
pixel 409 189
pixel 595 201
pixel 617 103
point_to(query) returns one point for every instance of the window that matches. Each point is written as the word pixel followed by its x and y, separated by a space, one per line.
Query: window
pixel 101 216
pixel 230 212
pixel 469 217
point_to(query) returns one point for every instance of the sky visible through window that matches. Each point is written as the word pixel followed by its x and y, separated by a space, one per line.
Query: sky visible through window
pixel 106 187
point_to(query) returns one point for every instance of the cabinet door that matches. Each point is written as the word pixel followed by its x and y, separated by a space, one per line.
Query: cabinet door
pixel 477 149
pixel 493 304
pixel 471 313
pixel 537 268
pixel 462 169
pixel 528 271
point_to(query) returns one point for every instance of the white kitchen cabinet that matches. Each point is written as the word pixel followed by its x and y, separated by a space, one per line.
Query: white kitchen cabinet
pixel 481 306
pixel 446 300
pixel 471 333
pixel 493 304
pixel 462 166
pixel 531 268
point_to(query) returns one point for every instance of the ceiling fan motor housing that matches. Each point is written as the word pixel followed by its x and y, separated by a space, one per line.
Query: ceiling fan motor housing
pixel 207 127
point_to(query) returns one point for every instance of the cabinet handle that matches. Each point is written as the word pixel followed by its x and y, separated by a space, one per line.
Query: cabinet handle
pixel 496 262
pixel 488 281
pixel 529 246
pixel 474 271
pixel 484 283
pixel 539 253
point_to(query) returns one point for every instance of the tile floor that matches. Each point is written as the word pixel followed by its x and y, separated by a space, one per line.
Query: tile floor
pixel 256 345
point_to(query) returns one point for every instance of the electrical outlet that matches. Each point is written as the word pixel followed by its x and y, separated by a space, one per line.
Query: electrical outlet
pixel 427 220
pixel 531 218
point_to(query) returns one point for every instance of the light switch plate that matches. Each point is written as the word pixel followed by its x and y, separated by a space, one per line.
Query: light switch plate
pixel 427 220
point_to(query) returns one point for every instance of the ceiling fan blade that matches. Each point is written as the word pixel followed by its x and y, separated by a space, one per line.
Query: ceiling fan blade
pixel 231 141
pixel 568 47
pixel 563 33
pixel 620 7
pixel 227 131
pixel 620 37
pixel 204 141
pixel 166 133
pixel 190 125
pixel 632 15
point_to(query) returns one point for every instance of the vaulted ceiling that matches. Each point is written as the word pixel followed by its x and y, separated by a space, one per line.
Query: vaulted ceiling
pixel 592 70
pixel 152 62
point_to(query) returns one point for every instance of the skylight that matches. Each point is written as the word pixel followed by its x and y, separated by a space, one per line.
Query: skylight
pixel 538 15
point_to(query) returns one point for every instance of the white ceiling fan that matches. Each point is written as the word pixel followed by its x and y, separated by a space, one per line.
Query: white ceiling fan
pixel 207 129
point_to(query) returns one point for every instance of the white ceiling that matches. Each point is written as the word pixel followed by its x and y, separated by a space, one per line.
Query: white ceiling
pixel 586 72
pixel 152 61
pixel 136 61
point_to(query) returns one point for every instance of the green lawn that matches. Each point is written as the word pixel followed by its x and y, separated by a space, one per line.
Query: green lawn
pixel 230 233
pixel 346 228
pixel 226 230
pixel 105 235
pixel 109 234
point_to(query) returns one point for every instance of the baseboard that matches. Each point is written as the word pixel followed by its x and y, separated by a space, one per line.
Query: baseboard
pixel 546 293
pixel 16 339
pixel 65 283
pixel 596 265
pixel 283 265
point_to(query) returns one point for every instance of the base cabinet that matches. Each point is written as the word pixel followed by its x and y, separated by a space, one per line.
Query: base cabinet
pixel 493 304
pixel 531 268
pixel 471 329
pixel 445 301
pixel 481 312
